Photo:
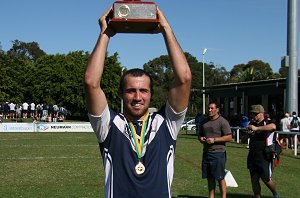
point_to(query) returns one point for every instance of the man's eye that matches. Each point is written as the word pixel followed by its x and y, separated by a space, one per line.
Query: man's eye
pixel 129 91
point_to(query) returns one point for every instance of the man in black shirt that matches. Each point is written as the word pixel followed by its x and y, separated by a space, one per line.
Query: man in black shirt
pixel 261 133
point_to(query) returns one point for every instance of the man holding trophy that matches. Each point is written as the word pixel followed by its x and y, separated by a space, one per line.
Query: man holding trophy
pixel 137 147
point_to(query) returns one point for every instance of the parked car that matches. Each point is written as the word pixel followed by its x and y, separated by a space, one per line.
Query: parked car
pixel 189 125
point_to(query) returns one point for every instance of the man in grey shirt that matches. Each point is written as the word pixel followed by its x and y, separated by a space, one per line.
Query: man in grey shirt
pixel 214 133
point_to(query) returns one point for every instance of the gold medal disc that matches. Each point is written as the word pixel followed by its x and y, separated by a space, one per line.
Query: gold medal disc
pixel 140 168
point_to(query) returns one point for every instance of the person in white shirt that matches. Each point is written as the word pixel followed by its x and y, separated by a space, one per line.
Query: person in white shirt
pixel 32 110
pixel 25 106
pixel 12 110
pixel 284 127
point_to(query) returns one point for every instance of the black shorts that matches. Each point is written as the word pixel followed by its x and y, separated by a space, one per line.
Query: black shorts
pixel 258 163
pixel 213 165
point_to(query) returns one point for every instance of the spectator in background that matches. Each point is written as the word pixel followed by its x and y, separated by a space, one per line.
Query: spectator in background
pixel 32 110
pixel 39 111
pixel 258 163
pixel 294 126
pixel 244 121
pixel 45 108
pixel 284 127
pixel 55 113
pixel 62 113
pixel 198 120
pixel 18 111
pixel 234 120
pixel 50 112
pixel 12 110
pixel 215 131
pixel 25 106
pixel 1 110
pixel 6 110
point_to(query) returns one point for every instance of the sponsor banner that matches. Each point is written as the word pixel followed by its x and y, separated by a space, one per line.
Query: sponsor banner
pixel 46 127
pixel 63 127
pixel 17 127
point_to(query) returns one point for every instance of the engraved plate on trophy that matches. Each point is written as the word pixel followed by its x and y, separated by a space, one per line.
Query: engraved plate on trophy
pixel 134 17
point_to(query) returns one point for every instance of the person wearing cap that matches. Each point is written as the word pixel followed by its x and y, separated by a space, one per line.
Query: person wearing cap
pixel 258 163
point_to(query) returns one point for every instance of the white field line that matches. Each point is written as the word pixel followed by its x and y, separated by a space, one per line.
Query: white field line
pixel 50 145
pixel 43 158
pixel 16 139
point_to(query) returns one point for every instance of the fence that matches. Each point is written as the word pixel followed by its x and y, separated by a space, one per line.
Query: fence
pixel 237 131
pixel 86 127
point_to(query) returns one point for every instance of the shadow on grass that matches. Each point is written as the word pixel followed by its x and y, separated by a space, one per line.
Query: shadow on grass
pixel 188 196
pixel 229 195
pixel 236 145
pixel 188 136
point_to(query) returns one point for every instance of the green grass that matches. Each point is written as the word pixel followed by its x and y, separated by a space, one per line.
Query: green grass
pixel 69 165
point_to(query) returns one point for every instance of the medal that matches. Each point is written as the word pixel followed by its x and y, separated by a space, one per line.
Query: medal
pixel 140 168
pixel 139 144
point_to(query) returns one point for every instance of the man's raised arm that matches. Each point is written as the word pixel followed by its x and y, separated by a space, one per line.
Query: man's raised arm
pixel 178 96
pixel 95 97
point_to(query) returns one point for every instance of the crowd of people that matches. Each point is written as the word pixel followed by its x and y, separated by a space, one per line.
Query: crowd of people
pixel 288 123
pixel 42 112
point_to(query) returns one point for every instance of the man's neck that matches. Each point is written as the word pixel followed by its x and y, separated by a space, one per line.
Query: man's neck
pixel 214 117
pixel 260 120
pixel 131 118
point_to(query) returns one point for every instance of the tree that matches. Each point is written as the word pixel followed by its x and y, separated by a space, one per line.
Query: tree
pixel 30 51
pixel 220 75
pixel 28 74
pixel 12 76
pixel 57 79
pixel 253 70
pixel 110 81
pixel 161 71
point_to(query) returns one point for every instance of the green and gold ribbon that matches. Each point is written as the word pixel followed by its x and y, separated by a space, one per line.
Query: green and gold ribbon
pixel 139 144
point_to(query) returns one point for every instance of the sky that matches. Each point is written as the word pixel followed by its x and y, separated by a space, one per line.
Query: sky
pixel 233 31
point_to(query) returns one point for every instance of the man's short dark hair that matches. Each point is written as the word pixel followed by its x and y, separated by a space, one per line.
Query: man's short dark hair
pixel 215 102
pixel 137 73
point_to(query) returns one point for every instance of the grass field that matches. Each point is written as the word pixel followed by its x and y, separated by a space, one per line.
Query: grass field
pixel 69 165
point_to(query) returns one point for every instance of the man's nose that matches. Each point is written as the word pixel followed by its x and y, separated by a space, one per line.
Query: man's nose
pixel 137 95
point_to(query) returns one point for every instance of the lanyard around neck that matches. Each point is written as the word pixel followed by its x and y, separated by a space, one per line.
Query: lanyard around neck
pixel 139 144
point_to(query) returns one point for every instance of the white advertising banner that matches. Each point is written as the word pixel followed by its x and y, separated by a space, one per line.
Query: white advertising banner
pixel 17 127
pixel 63 127
pixel 46 127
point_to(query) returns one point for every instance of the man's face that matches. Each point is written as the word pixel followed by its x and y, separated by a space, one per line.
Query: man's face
pixel 136 96
pixel 256 116
pixel 213 111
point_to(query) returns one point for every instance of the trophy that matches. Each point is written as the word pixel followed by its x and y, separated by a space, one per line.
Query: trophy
pixel 134 16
